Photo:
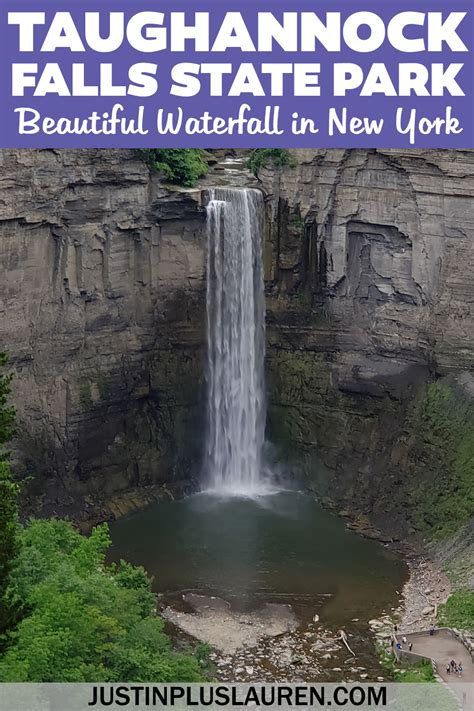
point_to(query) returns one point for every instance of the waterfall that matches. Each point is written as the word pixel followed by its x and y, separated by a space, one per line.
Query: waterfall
pixel 236 408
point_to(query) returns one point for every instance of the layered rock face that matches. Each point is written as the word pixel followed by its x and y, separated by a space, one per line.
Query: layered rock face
pixel 368 256
pixel 102 312
pixel 369 266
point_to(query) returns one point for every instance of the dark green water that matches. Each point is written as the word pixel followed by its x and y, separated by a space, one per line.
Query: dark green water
pixel 279 548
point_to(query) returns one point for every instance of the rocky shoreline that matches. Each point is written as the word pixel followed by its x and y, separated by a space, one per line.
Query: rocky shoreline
pixel 271 645
pixel 247 649
pixel 427 587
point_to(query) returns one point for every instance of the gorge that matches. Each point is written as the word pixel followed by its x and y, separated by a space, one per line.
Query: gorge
pixel 366 259
pixel 366 262
pixel 250 559
pixel 351 269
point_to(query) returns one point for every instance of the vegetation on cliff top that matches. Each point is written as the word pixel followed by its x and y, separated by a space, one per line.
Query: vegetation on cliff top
pixel 183 166
pixel 262 157
pixel 442 428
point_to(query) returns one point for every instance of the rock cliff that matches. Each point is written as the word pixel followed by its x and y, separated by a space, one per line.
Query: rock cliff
pixel 369 258
pixel 101 311
pixel 369 263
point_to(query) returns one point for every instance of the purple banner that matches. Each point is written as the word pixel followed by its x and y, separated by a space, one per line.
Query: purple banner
pixel 236 73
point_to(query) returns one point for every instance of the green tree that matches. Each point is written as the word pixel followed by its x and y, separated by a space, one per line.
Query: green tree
pixel 262 157
pixel 8 510
pixel 67 616
pixel 88 621
pixel 183 166
pixel 7 413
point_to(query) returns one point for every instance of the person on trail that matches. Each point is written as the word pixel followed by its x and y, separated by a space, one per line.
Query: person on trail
pixel 453 664
pixel 410 646
pixel 432 630
pixel 448 669
pixel 460 670
pixel 404 639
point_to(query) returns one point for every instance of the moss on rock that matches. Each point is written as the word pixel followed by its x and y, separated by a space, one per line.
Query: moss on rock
pixel 441 441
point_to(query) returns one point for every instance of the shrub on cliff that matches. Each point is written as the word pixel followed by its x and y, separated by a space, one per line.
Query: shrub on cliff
pixel 88 621
pixel 9 608
pixel 263 157
pixel 183 166
pixel 7 413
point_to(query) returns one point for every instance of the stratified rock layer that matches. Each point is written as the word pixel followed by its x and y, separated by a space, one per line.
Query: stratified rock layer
pixel 368 256
pixel 102 312
pixel 369 266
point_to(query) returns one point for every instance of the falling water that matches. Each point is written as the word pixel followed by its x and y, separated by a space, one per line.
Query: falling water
pixel 236 343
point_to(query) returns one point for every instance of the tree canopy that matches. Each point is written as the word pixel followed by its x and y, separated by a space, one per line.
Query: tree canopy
pixel 65 615
pixel 183 166
pixel 88 621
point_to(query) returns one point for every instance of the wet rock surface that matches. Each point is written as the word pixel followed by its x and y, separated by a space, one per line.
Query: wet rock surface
pixel 273 644
pixel 214 621
pixel 307 654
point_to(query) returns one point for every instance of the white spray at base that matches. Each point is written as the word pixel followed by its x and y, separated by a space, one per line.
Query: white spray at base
pixel 236 407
